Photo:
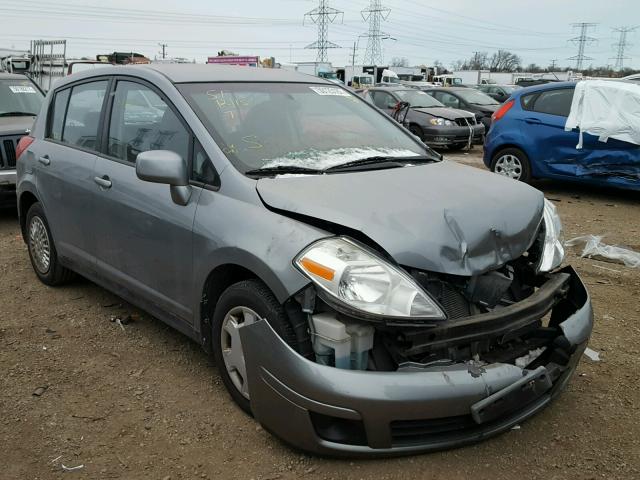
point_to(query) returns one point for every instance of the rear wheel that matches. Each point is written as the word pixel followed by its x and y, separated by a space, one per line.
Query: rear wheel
pixel 42 251
pixel 239 305
pixel 512 163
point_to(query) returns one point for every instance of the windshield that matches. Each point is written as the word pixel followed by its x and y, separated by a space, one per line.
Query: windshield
pixel 418 99
pixel 20 96
pixel 476 97
pixel 266 125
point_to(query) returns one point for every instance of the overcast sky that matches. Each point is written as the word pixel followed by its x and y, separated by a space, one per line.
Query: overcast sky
pixel 425 30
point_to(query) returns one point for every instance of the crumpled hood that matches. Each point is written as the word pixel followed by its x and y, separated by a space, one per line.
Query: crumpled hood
pixel 442 217
pixel 444 112
pixel 15 125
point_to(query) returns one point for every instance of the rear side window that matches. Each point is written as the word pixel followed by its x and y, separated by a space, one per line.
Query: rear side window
pixel 57 114
pixel 142 121
pixel 83 114
pixel 552 102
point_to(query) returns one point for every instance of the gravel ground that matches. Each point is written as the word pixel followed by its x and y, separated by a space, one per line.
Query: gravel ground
pixel 143 401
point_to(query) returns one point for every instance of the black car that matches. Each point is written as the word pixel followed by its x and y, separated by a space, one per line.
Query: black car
pixel 20 101
pixel 427 118
pixel 469 99
pixel 498 92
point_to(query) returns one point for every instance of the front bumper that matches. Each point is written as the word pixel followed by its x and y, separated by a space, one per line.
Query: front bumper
pixel 453 135
pixel 327 410
pixel 7 177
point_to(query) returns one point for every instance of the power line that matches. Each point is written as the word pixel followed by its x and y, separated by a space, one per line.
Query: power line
pixel 582 40
pixel 323 15
pixel 375 13
pixel 621 46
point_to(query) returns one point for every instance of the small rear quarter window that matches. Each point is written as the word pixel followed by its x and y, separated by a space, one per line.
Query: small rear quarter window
pixel 57 114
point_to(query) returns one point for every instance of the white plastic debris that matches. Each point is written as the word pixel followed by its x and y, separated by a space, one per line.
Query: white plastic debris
pixel 593 248
pixel 525 360
pixel 607 109
pixel 71 469
pixel 592 354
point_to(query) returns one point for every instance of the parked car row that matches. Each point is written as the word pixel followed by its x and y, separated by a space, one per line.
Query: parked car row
pixel 360 295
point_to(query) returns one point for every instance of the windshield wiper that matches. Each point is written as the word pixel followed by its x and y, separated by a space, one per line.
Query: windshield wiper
pixel 282 169
pixel 17 114
pixel 381 161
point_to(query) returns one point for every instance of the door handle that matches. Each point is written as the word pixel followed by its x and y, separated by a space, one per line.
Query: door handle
pixel 44 160
pixel 103 181
pixel 533 121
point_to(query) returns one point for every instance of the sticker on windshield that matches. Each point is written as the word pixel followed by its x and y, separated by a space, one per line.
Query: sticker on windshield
pixel 330 91
pixel 22 89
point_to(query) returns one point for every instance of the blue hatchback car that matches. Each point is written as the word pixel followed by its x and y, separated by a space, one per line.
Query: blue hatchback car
pixel 527 140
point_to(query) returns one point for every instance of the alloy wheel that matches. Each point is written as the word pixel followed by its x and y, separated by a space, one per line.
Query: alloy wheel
pixel 231 346
pixel 509 166
pixel 39 245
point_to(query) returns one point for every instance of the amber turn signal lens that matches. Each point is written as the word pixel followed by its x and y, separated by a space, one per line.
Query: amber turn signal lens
pixel 317 269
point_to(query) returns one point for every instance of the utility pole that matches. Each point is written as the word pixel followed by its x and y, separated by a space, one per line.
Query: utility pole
pixel 375 13
pixel 323 15
pixel 582 40
pixel 164 46
pixel 621 46
pixel 353 55
pixel 553 64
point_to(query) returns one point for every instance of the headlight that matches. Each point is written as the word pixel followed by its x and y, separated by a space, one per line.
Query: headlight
pixel 440 121
pixel 553 249
pixel 360 279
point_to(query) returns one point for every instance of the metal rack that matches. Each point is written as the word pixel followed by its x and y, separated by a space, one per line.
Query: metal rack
pixel 49 61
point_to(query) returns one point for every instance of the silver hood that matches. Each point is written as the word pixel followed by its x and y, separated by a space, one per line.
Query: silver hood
pixel 441 217
pixel 444 112
pixel 15 125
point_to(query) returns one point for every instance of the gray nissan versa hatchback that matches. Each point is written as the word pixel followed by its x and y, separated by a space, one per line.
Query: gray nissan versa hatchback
pixel 360 295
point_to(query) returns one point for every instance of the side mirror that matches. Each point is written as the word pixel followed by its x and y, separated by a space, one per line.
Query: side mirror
pixel 165 166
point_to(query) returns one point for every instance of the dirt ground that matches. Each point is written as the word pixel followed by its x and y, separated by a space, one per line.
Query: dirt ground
pixel 143 401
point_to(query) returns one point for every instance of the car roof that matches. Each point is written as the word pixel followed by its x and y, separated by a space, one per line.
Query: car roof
pixel 12 76
pixel 201 73
pixel 544 86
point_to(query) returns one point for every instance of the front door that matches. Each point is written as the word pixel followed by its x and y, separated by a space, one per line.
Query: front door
pixel 144 239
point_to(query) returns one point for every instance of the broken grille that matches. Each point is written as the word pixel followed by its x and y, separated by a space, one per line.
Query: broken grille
pixel 8 147
pixel 464 121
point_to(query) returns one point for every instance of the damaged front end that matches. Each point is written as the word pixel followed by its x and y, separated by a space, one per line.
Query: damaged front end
pixel 473 357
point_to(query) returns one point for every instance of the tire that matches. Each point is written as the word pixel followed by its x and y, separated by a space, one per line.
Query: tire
pixel 512 163
pixel 42 250
pixel 417 131
pixel 240 301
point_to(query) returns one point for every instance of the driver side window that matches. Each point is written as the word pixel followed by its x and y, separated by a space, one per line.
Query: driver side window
pixel 449 100
pixel 383 100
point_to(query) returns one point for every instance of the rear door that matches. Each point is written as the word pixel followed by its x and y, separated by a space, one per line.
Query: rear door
pixel 544 116
pixel 64 169
pixel 144 239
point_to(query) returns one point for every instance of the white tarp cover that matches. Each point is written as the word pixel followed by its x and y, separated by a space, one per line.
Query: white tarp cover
pixel 606 109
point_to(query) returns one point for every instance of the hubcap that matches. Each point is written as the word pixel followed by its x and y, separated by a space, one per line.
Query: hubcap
pixel 509 166
pixel 231 346
pixel 39 246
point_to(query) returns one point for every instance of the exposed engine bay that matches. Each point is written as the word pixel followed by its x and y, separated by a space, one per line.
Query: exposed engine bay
pixel 503 315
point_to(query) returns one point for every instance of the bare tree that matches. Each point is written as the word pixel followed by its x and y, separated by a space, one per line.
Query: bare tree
pixel 399 62
pixel 504 61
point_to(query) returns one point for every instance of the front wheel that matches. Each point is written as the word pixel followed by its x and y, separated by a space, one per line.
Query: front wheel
pixel 242 304
pixel 512 163
pixel 42 251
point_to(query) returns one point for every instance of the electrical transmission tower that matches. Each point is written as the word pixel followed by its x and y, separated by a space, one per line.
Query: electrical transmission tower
pixel 323 15
pixel 621 46
pixel 375 13
pixel 582 40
